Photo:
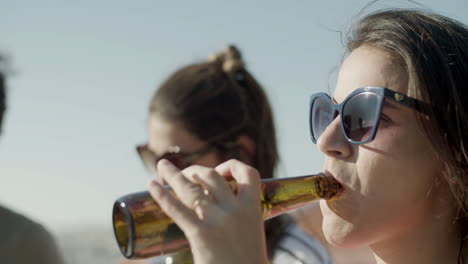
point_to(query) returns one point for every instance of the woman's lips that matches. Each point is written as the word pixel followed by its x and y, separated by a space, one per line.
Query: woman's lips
pixel 330 174
pixel 335 183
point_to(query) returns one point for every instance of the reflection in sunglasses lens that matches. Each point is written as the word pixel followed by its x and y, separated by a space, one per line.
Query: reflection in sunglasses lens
pixel 322 116
pixel 360 115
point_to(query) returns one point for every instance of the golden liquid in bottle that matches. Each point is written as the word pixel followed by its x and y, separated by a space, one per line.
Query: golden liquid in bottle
pixel 143 230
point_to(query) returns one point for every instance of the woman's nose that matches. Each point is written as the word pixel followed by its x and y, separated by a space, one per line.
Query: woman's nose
pixel 332 142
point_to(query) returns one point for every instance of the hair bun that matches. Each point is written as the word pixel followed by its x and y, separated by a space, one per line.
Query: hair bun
pixel 230 59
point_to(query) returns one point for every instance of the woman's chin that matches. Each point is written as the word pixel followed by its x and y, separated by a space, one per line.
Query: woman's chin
pixel 337 231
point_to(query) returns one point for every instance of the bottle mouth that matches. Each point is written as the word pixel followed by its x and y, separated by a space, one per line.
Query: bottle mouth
pixel 122 223
pixel 330 186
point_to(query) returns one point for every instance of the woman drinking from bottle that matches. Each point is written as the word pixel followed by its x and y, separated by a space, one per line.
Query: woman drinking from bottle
pixel 394 133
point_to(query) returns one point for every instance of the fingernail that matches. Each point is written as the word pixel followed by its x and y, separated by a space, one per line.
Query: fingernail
pixel 153 183
pixel 165 162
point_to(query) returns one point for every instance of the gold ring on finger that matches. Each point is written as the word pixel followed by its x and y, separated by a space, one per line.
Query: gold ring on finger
pixel 205 195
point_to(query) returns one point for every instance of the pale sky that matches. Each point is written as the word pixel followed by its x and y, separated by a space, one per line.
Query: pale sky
pixel 84 72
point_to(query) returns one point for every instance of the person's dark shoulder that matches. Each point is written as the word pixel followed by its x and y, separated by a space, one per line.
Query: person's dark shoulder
pixel 24 240
pixel 12 226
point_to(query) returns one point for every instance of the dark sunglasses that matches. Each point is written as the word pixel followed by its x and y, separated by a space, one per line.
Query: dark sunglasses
pixel 180 159
pixel 360 112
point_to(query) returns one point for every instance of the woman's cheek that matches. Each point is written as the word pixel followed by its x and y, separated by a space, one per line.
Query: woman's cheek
pixel 387 138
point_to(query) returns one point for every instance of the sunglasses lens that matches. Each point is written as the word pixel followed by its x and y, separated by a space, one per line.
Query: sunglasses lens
pixel 360 116
pixel 321 116
pixel 148 158
pixel 176 159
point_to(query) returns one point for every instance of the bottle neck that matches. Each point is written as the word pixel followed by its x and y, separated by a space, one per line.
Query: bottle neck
pixel 285 194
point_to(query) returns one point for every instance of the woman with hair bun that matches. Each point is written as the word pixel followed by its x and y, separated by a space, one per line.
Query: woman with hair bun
pixel 209 112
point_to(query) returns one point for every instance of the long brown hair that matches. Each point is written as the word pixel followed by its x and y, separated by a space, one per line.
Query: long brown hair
pixel 217 101
pixel 434 50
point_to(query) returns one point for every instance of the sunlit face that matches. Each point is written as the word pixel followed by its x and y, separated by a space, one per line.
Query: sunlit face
pixel 164 135
pixel 387 182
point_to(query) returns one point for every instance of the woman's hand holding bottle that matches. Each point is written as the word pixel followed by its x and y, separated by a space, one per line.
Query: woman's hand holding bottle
pixel 221 226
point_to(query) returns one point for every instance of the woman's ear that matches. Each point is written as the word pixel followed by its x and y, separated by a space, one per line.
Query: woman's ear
pixel 248 148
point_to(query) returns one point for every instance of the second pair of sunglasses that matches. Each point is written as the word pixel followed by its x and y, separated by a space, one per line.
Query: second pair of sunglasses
pixel 180 159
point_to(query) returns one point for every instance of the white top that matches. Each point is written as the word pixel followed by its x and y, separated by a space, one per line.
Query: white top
pixel 299 248
pixel 296 247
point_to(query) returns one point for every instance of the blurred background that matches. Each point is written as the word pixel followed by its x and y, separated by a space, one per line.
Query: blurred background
pixel 83 73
